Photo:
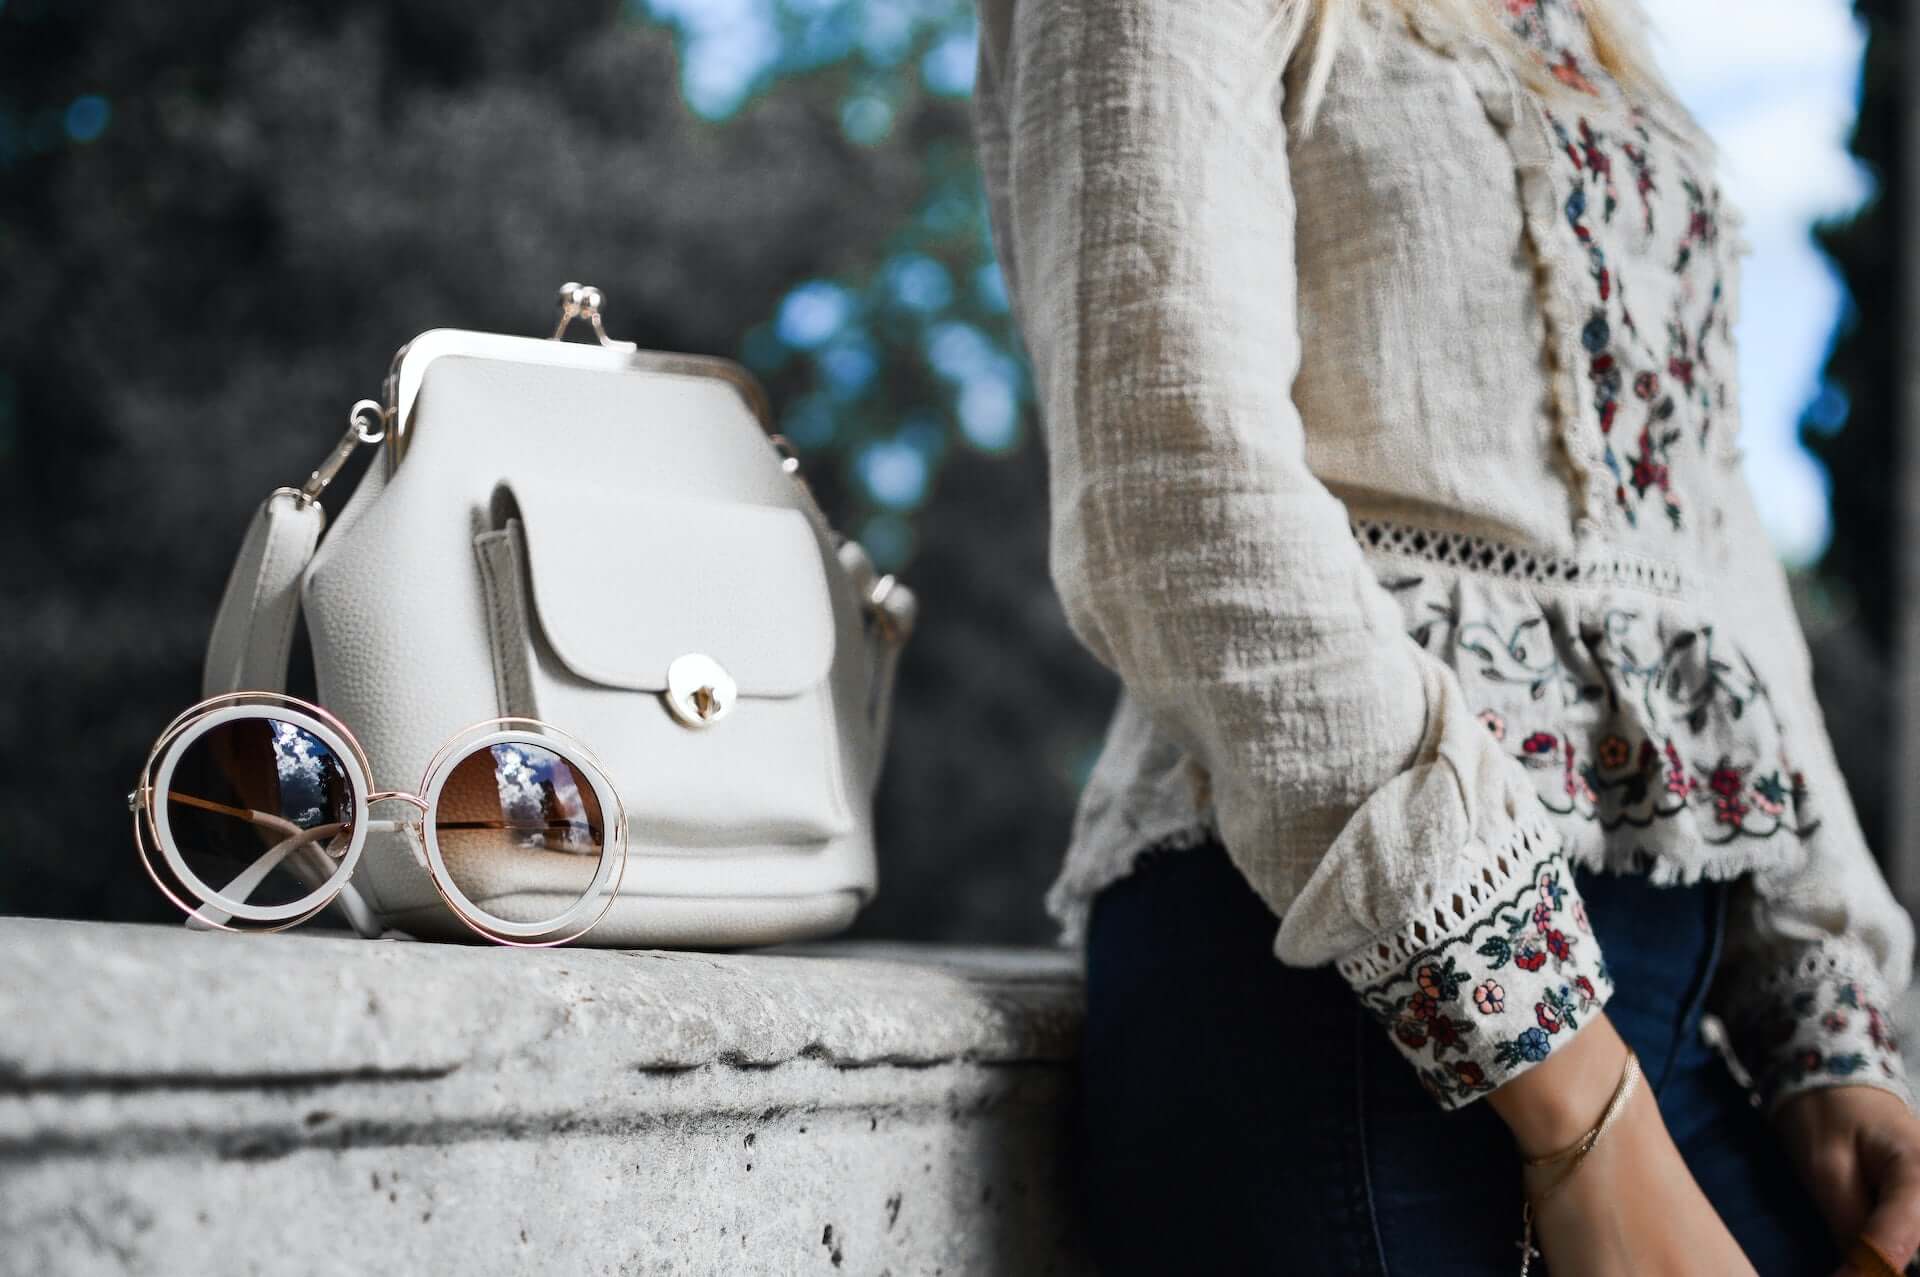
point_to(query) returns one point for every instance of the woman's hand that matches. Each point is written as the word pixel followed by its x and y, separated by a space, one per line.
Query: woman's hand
pixel 1632 1207
pixel 1858 1149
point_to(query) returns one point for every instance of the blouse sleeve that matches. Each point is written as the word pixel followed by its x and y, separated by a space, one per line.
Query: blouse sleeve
pixel 1817 952
pixel 1137 167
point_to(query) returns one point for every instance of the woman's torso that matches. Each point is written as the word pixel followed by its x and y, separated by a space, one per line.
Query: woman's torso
pixel 1517 372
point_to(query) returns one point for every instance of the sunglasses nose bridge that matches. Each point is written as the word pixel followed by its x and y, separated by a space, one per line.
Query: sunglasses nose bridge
pixel 414 827
pixel 399 796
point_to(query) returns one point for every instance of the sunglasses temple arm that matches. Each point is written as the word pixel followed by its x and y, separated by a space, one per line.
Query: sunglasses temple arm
pixel 354 909
pixel 299 845
pixel 352 905
pixel 248 880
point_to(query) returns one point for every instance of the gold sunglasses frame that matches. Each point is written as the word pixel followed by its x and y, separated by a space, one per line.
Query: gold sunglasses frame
pixel 614 846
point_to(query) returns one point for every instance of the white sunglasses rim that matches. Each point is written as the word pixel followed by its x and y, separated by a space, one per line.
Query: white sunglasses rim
pixel 195 721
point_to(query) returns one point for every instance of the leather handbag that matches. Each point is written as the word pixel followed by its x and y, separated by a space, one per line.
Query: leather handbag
pixel 610 540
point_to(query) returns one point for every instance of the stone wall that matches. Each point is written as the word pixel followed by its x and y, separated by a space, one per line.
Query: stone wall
pixel 175 1103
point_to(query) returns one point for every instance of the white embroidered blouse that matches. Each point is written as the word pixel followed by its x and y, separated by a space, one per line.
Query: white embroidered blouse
pixel 1395 468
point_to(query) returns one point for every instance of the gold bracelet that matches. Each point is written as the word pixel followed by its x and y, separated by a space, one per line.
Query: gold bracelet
pixel 1577 1153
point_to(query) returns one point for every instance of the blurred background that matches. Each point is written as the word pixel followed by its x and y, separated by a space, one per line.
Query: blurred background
pixel 219 219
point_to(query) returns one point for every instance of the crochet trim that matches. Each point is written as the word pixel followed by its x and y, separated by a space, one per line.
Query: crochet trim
pixel 1492 874
pixel 1842 957
pixel 1490 557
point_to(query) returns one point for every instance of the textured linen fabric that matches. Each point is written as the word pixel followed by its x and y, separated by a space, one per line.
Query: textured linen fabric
pixel 1394 467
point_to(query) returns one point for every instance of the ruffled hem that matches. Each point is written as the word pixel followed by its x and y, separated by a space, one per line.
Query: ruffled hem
pixel 1070 899
pixel 1649 736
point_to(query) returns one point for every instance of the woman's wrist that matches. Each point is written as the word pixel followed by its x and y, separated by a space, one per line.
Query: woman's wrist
pixel 1558 1100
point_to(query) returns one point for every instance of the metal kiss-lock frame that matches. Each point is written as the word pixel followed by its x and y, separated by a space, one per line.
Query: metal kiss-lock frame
pixel 217 911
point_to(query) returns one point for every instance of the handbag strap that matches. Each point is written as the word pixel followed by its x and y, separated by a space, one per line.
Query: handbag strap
pixel 252 635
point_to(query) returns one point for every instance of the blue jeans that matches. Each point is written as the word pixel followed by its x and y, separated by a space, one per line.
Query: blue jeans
pixel 1244 1116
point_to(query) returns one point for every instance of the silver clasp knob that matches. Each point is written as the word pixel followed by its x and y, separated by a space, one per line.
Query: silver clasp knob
pixel 583 301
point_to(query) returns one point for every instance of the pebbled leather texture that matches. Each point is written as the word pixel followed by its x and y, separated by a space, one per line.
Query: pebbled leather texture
pixel 615 517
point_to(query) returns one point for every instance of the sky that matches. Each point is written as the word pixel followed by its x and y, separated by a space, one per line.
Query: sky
pixel 1776 82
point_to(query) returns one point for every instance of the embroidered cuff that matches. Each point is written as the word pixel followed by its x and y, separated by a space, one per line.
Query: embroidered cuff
pixel 1821 1020
pixel 1512 976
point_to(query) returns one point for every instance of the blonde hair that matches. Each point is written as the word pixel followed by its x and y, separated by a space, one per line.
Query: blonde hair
pixel 1616 27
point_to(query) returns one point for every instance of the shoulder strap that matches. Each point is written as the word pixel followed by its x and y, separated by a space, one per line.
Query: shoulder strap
pixel 253 631
pixel 252 638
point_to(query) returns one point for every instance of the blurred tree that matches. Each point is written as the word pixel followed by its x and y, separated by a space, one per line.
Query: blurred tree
pixel 220 219
pixel 1853 426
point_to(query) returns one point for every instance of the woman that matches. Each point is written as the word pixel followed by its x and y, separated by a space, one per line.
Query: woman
pixel 1385 355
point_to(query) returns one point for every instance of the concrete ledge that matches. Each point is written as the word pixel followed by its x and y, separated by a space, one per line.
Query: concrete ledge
pixel 186 1103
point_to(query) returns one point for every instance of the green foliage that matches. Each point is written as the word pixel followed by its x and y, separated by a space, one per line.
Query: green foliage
pixel 887 366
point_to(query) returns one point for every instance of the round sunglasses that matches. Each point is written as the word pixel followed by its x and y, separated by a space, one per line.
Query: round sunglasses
pixel 252 813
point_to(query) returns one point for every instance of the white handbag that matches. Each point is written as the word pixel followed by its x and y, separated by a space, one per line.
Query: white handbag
pixel 609 540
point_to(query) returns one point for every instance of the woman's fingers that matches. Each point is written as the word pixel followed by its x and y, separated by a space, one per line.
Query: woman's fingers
pixel 1894 1225
pixel 1833 1175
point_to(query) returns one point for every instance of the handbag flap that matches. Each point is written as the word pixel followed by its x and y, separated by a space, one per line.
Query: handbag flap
pixel 624 582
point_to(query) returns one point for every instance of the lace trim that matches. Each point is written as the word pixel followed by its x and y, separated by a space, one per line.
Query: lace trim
pixel 1842 958
pixel 1490 557
pixel 1468 903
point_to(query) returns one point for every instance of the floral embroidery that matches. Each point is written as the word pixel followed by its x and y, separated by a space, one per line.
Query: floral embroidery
pixel 1449 1004
pixel 1744 801
pixel 1661 698
pixel 1641 161
pixel 1536 22
pixel 1674 386
pixel 1814 1028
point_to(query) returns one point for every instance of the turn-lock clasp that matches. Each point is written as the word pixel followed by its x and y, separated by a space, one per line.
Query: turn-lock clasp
pixel 699 692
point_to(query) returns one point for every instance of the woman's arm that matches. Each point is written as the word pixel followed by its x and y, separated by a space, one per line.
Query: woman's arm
pixel 1137 163
pixel 1815 952
pixel 1816 956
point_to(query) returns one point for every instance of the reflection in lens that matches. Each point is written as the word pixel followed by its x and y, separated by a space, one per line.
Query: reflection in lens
pixel 261 811
pixel 521 831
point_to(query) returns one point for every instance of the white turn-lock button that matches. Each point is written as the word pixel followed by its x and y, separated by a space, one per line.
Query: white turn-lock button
pixel 699 692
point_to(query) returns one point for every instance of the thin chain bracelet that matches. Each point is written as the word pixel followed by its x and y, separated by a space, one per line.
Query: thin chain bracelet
pixel 1577 1153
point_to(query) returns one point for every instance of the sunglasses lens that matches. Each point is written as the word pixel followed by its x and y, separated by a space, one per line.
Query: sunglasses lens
pixel 260 811
pixel 522 834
